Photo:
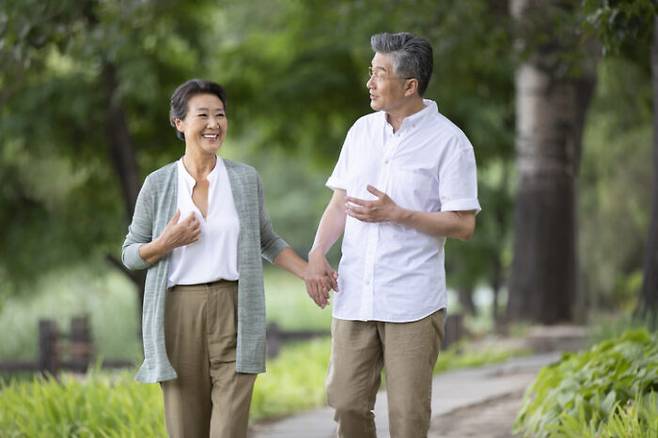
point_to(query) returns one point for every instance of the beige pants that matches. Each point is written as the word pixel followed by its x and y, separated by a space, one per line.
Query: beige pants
pixel 406 351
pixel 208 399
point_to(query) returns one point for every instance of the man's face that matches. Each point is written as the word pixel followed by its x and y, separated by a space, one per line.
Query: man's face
pixel 385 87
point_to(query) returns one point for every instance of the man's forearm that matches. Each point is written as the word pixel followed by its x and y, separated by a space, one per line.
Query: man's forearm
pixel 454 224
pixel 331 227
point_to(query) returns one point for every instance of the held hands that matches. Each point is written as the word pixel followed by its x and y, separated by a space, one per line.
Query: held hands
pixel 320 277
pixel 383 209
pixel 180 233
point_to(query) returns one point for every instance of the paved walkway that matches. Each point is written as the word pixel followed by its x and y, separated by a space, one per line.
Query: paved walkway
pixel 490 388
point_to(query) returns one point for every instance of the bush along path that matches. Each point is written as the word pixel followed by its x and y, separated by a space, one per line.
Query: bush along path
pixel 607 391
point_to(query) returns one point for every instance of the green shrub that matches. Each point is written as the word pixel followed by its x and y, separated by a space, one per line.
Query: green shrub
pixel 294 381
pixel 99 405
pixel 597 393
pixel 462 355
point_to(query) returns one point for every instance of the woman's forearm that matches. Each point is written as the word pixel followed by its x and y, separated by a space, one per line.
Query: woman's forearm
pixel 153 251
pixel 291 262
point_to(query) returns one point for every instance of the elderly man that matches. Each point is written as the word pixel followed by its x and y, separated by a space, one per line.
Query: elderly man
pixel 404 182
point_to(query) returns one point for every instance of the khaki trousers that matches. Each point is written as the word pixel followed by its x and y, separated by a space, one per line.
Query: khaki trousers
pixel 406 351
pixel 208 399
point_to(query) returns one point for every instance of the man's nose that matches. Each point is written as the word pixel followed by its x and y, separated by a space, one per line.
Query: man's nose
pixel 370 83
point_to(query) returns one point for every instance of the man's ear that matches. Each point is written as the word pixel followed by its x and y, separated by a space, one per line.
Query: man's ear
pixel 180 125
pixel 411 87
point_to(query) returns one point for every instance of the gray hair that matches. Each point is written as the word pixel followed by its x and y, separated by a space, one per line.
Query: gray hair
pixel 412 55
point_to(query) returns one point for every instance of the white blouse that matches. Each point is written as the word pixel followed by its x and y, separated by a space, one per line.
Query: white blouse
pixel 215 255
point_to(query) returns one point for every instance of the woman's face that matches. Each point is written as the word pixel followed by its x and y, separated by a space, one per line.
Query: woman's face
pixel 205 124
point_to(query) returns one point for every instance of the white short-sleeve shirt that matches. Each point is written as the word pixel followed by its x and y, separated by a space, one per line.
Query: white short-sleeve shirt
pixel 215 255
pixel 391 272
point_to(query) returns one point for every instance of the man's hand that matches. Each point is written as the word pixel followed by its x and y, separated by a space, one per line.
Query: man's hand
pixel 383 209
pixel 320 277
pixel 180 233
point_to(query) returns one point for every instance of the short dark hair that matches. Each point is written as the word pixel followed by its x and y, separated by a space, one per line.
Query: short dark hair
pixel 412 55
pixel 183 94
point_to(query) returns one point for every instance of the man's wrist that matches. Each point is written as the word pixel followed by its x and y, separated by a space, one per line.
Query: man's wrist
pixel 400 215
pixel 315 253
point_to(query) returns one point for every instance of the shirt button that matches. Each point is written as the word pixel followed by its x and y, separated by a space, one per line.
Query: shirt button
pixel 385 161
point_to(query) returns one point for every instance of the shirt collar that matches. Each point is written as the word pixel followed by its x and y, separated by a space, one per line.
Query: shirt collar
pixel 416 118
pixel 189 179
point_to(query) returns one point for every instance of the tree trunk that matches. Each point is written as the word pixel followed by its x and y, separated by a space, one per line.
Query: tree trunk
pixel 466 300
pixel 124 162
pixel 550 112
pixel 496 282
pixel 648 303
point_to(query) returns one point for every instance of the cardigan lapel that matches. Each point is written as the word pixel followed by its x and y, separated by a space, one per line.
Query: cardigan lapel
pixel 237 188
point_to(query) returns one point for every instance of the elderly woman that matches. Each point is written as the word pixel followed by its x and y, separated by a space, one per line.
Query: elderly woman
pixel 200 229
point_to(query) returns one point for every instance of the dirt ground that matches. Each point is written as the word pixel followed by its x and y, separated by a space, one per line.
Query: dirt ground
pixel 491 419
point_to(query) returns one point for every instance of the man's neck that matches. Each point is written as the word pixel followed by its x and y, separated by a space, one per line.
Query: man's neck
pixel 397 116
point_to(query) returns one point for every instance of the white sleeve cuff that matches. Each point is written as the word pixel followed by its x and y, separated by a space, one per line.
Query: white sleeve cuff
pixel 335 183
pixel 461 205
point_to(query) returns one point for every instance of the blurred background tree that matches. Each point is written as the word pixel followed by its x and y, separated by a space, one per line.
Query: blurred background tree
pixel 84 89
pixel 629 30
pixel 555 81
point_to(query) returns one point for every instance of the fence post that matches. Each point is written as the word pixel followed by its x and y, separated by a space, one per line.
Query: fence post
pixel 273 339
pixel 80 346
pixel 48 347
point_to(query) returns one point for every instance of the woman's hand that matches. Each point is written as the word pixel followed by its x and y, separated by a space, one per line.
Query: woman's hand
pixel 320 277
pixel 174 235
pixel 180 233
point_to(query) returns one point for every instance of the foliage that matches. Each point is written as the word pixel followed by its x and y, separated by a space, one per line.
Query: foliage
pixel 98 405
pixel 622 26
pixel 295 74
pixel 584 391
pixel 463 355
pixel 61 202
pixel 613 195
pixel 294 381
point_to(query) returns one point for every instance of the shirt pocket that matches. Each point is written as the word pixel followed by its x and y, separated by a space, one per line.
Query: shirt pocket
pixel 414 189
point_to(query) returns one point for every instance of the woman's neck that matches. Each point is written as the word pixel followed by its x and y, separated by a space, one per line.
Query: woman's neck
pixel 199 165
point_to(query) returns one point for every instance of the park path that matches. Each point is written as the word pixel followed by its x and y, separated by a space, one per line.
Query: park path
pixel 488 392
pixel 480 402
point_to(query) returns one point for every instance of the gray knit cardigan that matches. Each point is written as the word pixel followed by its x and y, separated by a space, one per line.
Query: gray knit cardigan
pixel 155 206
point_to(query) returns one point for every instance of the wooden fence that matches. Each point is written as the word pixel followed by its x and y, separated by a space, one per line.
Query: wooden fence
pixel 59 351
pixel 74 351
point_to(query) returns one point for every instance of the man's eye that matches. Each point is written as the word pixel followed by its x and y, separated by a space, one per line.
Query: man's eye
pixel 203 115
